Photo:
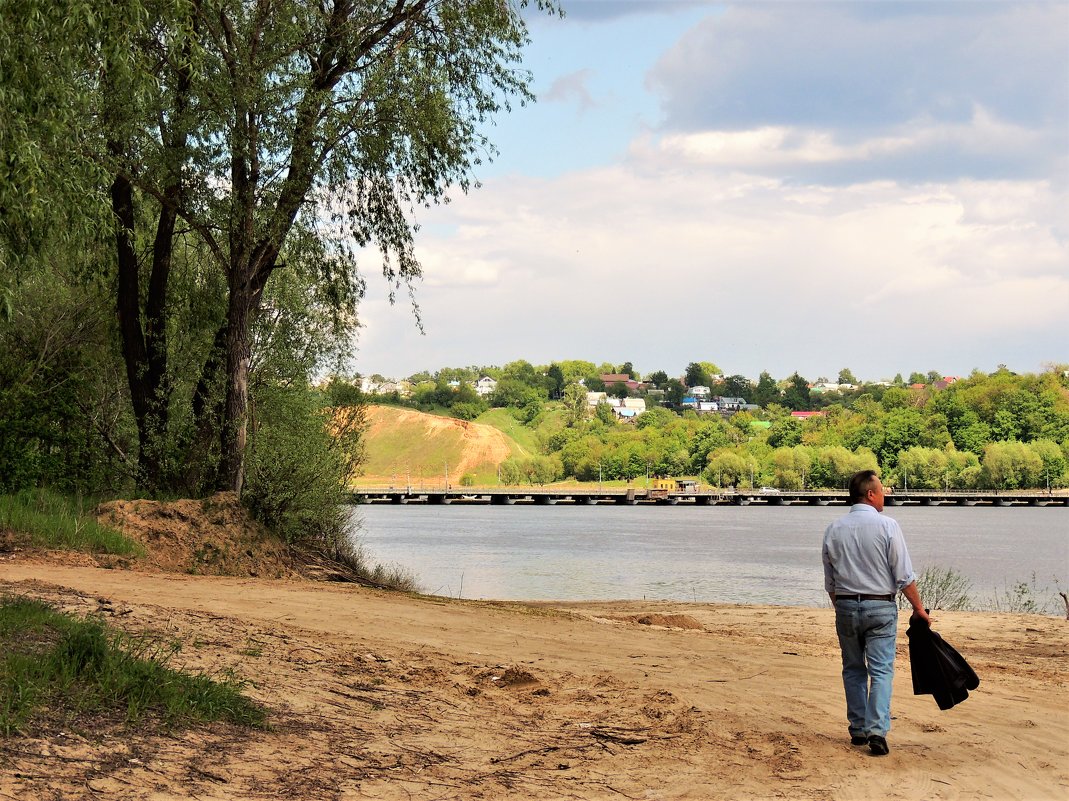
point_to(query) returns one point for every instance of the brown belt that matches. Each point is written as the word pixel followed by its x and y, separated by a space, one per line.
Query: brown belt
pixel 839 597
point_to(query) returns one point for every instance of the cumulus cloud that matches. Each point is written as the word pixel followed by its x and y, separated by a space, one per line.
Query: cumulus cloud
pixel 879 186
pixel 921 149
pixel 631 262
pixel 962 85
pixel 779 146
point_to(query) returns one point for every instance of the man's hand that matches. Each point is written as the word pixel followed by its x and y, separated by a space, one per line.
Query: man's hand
pixel 914 598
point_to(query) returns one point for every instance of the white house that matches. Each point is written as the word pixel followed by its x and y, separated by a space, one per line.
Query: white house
pixel 700 392
pixel 485 386
pixel 628 408
pixel 594 398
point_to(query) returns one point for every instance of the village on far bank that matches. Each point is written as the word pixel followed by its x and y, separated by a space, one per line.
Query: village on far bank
pixel 628 396
pixel 992 431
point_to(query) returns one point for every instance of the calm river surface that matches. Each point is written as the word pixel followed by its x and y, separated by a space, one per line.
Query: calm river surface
pixel 723 554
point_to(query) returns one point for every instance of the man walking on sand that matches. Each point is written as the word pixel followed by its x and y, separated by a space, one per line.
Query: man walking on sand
pixel 866 564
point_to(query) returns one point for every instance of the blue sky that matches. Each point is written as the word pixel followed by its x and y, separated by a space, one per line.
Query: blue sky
pixel 771 186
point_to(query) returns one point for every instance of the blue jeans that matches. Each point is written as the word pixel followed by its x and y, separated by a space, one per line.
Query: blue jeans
pixel 867 631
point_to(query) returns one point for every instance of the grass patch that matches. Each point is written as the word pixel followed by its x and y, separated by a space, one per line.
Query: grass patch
pixel 56 668
pixel 50 520
pixel 524 440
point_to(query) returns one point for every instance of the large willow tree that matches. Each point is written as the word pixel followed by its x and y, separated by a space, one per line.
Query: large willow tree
pixel 241 124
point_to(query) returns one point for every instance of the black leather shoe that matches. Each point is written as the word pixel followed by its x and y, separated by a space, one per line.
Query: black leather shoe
pixel 878 745
pixel 858 739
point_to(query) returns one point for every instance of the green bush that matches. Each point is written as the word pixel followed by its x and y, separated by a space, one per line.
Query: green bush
pixel 63 421
pixel 302 454
pixel 943 588
pixel 1025 597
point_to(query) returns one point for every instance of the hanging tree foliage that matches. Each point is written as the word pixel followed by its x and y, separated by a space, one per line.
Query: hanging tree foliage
pixel 233 124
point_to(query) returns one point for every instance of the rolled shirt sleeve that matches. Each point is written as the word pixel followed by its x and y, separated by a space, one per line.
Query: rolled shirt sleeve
pixel 829 573
pixel 897 554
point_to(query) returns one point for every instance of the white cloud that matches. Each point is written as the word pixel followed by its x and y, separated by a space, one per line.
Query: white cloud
pixel 879 186
pixel 441 268
pixel 662 263
pixel 778 147
pixel 982 85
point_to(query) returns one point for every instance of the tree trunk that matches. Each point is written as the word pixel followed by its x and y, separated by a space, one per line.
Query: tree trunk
pixel 143 381
pixel 143 321
pixel 245 296
pixel 235 410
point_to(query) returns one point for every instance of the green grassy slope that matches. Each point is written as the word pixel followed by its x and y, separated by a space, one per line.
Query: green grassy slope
pixel 523 438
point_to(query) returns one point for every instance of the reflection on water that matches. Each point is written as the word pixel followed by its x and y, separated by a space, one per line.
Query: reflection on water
pixel 719 554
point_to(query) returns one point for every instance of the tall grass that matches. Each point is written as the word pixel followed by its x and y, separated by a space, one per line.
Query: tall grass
pixel 944 588
pixel 346 548
pixel 51 520
pixel 947 589
pixel 54 665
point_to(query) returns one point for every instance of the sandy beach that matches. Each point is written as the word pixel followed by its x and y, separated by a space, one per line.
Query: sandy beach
pixel 389 696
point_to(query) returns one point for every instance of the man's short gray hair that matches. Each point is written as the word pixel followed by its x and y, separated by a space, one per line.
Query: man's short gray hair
pixel 860 484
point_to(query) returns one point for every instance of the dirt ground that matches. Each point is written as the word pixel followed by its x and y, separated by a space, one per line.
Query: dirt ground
pixel 378 695
pixel 479 445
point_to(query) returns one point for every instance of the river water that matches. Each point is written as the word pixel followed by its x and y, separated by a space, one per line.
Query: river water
pixel 720 554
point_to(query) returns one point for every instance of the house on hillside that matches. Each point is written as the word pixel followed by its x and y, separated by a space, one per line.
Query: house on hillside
pixel 732 404
pixel 371 387
pixel 627 408
pixel 821 387
pixel 594 398
pixel 945 382
pixel 485 386
pixel 609 379
pixel 806 415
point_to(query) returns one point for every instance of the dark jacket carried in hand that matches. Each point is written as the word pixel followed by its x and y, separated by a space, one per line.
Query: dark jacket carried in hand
pixel 937 668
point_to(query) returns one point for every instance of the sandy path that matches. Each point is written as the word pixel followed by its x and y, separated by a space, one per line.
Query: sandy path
pixel 378 695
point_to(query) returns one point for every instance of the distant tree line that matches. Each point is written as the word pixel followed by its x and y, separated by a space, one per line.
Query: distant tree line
pixel 986 431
